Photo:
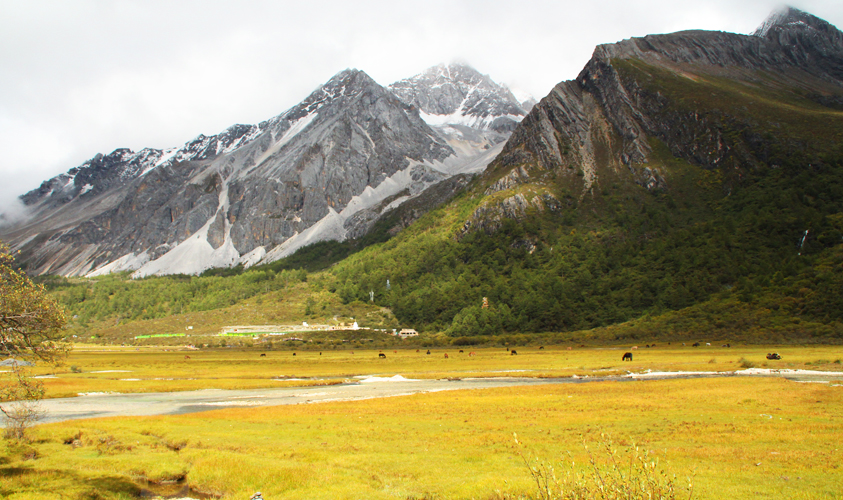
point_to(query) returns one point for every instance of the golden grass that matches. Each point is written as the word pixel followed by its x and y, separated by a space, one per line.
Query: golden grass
pixel 741 437
pixel 126 370
pixel 460 444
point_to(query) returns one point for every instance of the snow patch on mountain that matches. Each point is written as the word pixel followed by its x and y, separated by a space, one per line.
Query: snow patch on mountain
pixel 414 179
pixel 525 98
pixel 370 196
pixel 330 227
pixel 475 164
pixel 251 258
pixel 458 118
pixel 192 256
pixel 128 262
pixel 166 155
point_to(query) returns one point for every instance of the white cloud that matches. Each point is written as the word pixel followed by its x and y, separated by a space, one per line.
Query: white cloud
pixel 82 77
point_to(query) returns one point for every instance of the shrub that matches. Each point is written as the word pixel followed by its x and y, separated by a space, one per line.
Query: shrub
pixel 465 341
pixel 745 363
pixel 609 475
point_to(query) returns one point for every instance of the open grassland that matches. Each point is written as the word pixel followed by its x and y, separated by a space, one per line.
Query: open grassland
pixel 737 437
pixel 127 370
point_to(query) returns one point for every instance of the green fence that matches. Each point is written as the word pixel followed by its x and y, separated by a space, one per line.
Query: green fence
pixel 160 335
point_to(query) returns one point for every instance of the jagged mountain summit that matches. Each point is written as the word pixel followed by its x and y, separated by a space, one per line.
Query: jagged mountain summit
pixel 470 111
pixel 233 197
pixel 327 168
pixel 459 94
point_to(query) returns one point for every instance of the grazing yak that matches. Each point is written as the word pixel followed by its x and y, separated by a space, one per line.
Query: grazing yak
pixel 773 355
pixel 382 355
pixel 263 355
pixel 627 356
pixel 513 352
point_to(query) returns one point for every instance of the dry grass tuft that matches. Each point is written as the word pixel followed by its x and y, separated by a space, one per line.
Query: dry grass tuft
pixel 608 475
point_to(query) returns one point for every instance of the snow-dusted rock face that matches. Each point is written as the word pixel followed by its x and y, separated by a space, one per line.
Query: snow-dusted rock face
pixel 218 199
pixel 327 168
pixel 457 94
pixel 472 113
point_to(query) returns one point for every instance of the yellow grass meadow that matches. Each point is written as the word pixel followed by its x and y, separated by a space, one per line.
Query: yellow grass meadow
pixel 735 437
pixel 166 369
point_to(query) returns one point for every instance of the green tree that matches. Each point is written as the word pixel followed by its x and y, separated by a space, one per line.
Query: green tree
pixel 30 331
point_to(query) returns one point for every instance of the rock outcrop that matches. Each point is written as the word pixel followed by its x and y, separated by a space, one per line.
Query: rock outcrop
pixel 602 123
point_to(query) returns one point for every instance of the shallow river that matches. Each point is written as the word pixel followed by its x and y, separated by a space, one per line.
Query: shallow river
pixel 173 403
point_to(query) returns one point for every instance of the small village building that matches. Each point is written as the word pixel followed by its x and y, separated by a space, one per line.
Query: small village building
pixel 406 332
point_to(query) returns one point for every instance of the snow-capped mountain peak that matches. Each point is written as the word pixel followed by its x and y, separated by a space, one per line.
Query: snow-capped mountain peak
pixel 247 193
pixel 459 94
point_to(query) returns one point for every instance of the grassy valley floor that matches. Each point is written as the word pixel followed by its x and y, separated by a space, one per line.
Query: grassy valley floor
pixel 142 369
pixel 734 437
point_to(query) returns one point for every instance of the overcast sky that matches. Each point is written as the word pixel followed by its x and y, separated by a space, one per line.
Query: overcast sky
pixel 81 77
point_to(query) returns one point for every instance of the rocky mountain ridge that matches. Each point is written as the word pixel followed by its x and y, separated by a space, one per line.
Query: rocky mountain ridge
pixel 251 193
pixel 605 119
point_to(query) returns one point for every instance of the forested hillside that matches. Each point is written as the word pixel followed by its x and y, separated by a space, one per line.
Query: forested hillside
pixel 619 255
pixel 737 210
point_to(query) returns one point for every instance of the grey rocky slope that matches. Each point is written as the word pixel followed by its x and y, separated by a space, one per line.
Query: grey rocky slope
pixel 219 198
pixel 602 123
pixel 327 168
